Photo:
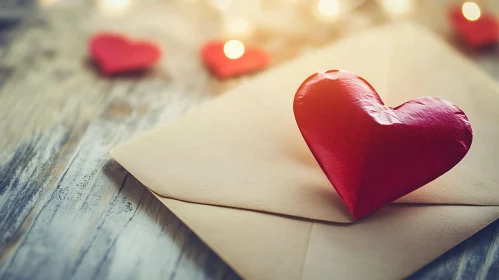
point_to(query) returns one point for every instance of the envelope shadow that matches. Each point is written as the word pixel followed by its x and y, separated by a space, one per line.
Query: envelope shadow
pixel 335 200
pixel 189 249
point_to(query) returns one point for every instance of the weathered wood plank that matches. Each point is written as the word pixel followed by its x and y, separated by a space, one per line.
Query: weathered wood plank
pixel 65 206
pixel 475 258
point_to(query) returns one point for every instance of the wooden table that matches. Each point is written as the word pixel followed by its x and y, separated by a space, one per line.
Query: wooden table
pixel 66 209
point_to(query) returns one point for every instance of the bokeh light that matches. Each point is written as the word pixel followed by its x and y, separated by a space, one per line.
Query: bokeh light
pixel 396 7
pixel 471 11
pixel 234 49
pixel 238 28
pixel 221 5
pixel 113 7
pixel 328 7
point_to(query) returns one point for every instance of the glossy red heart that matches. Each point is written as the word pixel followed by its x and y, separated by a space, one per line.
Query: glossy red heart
pixel 223 67
pixel 476 34
pixel 116 54
pixel 371 153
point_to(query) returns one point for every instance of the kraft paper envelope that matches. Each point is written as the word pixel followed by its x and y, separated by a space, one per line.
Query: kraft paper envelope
pixel 238 172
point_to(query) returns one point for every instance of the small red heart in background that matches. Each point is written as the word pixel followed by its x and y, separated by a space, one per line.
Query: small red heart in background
pixel 116 54
pixel 476 34
pixel 371 153
pixel 223 67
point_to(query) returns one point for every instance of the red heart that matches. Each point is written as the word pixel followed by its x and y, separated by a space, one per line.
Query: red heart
pixel 116 54
pixel 371 153
pixel 223 67
pixel 481 32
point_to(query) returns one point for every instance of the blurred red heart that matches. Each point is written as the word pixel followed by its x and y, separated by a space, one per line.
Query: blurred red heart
pixel 116 54
pixel 476 34
pixel 223 67
pixel 371 153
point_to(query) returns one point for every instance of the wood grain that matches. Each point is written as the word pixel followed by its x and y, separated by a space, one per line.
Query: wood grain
pixel 66 210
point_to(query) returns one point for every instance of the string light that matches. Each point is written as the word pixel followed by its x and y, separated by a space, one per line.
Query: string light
pixel 396 6
pixel 113 7
pixel 238 28
pixel 329 7
pixel 471 11
pixel 234 49
pixel 221 5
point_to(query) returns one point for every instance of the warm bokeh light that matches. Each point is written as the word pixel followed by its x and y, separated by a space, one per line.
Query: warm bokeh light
pixel 328 7
pixel 238 28
pixel 234 49
pixel 396 6
pixel 113 7
pixel 471 11
pixel 221 5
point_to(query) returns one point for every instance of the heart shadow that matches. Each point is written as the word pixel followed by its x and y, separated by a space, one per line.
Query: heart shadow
pixel 90 64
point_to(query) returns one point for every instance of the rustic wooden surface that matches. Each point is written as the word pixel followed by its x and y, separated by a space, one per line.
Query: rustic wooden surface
pixel 66 209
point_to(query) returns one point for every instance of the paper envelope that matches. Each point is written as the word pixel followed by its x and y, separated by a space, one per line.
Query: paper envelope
pixel 238 172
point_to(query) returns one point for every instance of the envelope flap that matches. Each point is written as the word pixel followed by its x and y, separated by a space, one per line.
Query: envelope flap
pixel 244 149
